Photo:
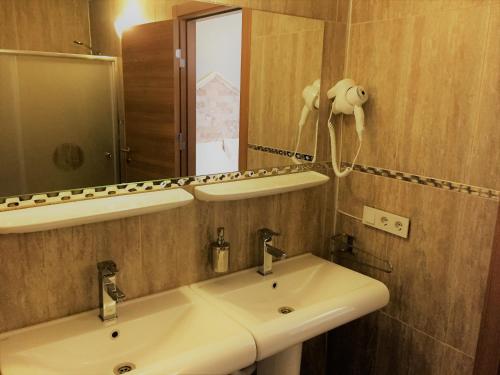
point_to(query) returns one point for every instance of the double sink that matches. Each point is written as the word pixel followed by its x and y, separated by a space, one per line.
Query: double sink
pixel 213 327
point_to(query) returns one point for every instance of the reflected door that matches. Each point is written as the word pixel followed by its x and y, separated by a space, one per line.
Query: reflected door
pixel 217 79
pixel 150 89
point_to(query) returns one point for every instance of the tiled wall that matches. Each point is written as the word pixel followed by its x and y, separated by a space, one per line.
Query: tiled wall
pixel 430 68
pixel 44 25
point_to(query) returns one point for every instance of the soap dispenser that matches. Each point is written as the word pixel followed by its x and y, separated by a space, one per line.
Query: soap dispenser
pixel 220 253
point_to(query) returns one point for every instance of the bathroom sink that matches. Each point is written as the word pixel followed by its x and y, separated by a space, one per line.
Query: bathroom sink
pixel 303 297
pixel 171 332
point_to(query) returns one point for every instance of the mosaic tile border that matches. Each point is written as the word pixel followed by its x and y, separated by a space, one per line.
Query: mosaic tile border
pixel 74 195
pixel 428 181
pixel 281 152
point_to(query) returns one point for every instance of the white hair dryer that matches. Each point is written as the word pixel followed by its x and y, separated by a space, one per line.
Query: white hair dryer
pixel 348 99
pixel 311 103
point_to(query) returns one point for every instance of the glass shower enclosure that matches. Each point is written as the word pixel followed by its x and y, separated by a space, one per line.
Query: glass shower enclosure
pixel 58 122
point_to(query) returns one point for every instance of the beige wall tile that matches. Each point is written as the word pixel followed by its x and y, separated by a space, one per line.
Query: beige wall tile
pixel 423 75
pixel 301 218
pixel 402 350
pixel 378 344
pixel 355 341
pixel 343 9
pixel 70 265
pixel 440 271
pixel 377 10
pixel 23 281
pixel 44 25
pixel 159 250
pixel 334 52
pixel 196 231
pixel 483 156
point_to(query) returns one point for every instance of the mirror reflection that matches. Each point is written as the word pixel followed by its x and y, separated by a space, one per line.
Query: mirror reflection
pixel 114 91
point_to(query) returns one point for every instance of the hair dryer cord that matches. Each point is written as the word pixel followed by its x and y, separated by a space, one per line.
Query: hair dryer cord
pixel 333 145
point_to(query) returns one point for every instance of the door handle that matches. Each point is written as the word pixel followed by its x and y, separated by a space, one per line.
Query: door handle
pixel 127 150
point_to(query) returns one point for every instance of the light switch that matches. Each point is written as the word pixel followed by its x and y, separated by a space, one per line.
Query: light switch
pixel 386 221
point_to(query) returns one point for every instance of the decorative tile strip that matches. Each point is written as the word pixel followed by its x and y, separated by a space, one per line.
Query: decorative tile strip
pixel 35 200
pixel 278 151
pixel 428 181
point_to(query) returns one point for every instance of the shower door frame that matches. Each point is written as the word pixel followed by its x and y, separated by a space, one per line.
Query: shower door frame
pixel 117 123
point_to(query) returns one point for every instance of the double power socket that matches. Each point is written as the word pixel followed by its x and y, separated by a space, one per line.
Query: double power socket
pixel 386 221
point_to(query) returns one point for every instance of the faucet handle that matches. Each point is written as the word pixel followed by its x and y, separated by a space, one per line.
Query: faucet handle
pixel 267 234
pixel 115 293
pixel 107 268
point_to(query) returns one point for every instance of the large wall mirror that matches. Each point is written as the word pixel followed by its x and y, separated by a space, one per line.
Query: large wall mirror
pixel 151 90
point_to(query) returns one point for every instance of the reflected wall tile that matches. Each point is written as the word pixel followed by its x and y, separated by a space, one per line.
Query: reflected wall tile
pixel 274 117
pixel 23 281
pixel 70 263
pixel 439 266
pixel 423 103
pixel 260 159
pixel 51 25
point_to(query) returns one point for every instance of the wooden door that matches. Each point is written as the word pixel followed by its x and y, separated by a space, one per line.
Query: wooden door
pixel 150 79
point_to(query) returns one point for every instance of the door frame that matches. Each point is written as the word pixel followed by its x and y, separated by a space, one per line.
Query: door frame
pixel 187 78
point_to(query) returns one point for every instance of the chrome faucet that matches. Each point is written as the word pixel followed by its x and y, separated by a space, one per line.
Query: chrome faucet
pixel 269 251
pixel 109 294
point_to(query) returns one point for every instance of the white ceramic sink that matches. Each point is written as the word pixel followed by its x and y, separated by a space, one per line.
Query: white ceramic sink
pixel 322 294
pixel 175 332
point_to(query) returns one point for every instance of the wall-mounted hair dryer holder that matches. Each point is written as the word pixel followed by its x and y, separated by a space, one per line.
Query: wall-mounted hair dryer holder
pixel 348 99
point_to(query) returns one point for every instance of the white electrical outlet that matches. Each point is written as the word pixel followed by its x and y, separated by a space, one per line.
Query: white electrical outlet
pixel 386 221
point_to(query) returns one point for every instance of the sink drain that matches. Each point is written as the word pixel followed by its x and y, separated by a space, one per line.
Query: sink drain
pixel 285 310
pixel 123 368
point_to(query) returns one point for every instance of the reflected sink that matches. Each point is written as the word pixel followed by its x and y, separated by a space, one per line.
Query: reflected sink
pixel 171 332
pixel 303 297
